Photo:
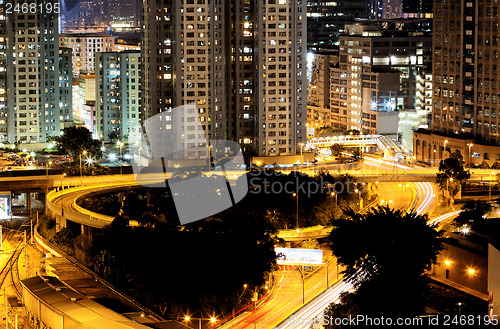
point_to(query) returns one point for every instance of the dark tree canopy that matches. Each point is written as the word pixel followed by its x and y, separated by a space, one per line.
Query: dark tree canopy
pixel 78 139
pixel 337 149
pixel 451 175
pixel 392 249
pixel 473 211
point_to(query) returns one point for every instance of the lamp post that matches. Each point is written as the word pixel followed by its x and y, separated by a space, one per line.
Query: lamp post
pixel 470 145
pixel 47 184
pixel 295 195
pixel 360 198
pixel 303 283
pixel 140 148
pixel 445 142
pixel 62 180
pixel 81 174
pixel 336 198
pixel 212 320
pixel 447 186
pixel 301 159
pixel 209 157
pixel 491 183
pixel 121 166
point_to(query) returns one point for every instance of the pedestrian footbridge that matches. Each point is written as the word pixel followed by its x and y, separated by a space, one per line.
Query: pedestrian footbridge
pixel 384 143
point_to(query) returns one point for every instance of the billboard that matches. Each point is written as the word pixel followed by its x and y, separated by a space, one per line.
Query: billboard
pixel 293 256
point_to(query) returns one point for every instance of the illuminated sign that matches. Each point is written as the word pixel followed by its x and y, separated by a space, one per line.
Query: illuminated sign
pixel 290 256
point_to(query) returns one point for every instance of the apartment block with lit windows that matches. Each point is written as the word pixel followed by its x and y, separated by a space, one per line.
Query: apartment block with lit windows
pixel 466 68
pixel 3 77
pixel 117 98
pixel 39 91
pixel 368 52
pixel 241 62
pixel 85 46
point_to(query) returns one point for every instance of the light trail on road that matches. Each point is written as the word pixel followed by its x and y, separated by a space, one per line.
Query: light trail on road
pixel 311 313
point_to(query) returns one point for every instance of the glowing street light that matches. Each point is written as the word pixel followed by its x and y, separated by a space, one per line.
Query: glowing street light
pixel 121 165
pixel 470 145
pixel 212 319
pixel 81 175
pixel 295 195
pixel 336 197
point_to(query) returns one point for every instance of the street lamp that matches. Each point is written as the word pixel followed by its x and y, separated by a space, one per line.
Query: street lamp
pixel 295 195
pixel 336 196
pixel 140 148
pixel 303 283
pixel 360 198
pixel 470 145
pixel 210 158
pixel 491 183
pixel 47 185
pixel 301 159
pixel 212 320
pixel 62 180
pixel 447 185
pixel 445 142
pixel 81 175
pixel 47 168
pixel 121 146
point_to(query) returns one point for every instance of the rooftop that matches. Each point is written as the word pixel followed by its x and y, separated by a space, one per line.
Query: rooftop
pixel 54 294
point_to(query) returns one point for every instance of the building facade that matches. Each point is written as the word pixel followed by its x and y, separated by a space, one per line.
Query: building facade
pixel 117 101
pixel 466 71
pixel 242 63
pixel 417 8
pixel 326 21
pixel 38 79
pixel 371 55
pixel 85 46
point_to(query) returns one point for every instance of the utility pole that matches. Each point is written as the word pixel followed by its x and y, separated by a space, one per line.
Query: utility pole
pixel 25 255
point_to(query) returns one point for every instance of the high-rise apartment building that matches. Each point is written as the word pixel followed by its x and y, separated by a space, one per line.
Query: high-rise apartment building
pixel 281 76
pixel 326 21
pixel 66 84
pixel 392 9
pixel 117 103
pixel 85 46
pixel 38 88
pixel 3 77
pixel 368 53
pixel 466 68
pixel 417 8
pixel 242 63
pixel 318 99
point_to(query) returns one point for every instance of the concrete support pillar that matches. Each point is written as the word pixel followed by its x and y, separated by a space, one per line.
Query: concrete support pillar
pixel 28 202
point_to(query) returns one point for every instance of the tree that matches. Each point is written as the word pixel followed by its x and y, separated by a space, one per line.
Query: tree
pixel 113 136
pixel 451 175
pixel 484 165
pixel 326 132
pixel 391 251
pixel 357 154
pixel 310 244
pixel 337 149
pixel 78 139
pixel 473 211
